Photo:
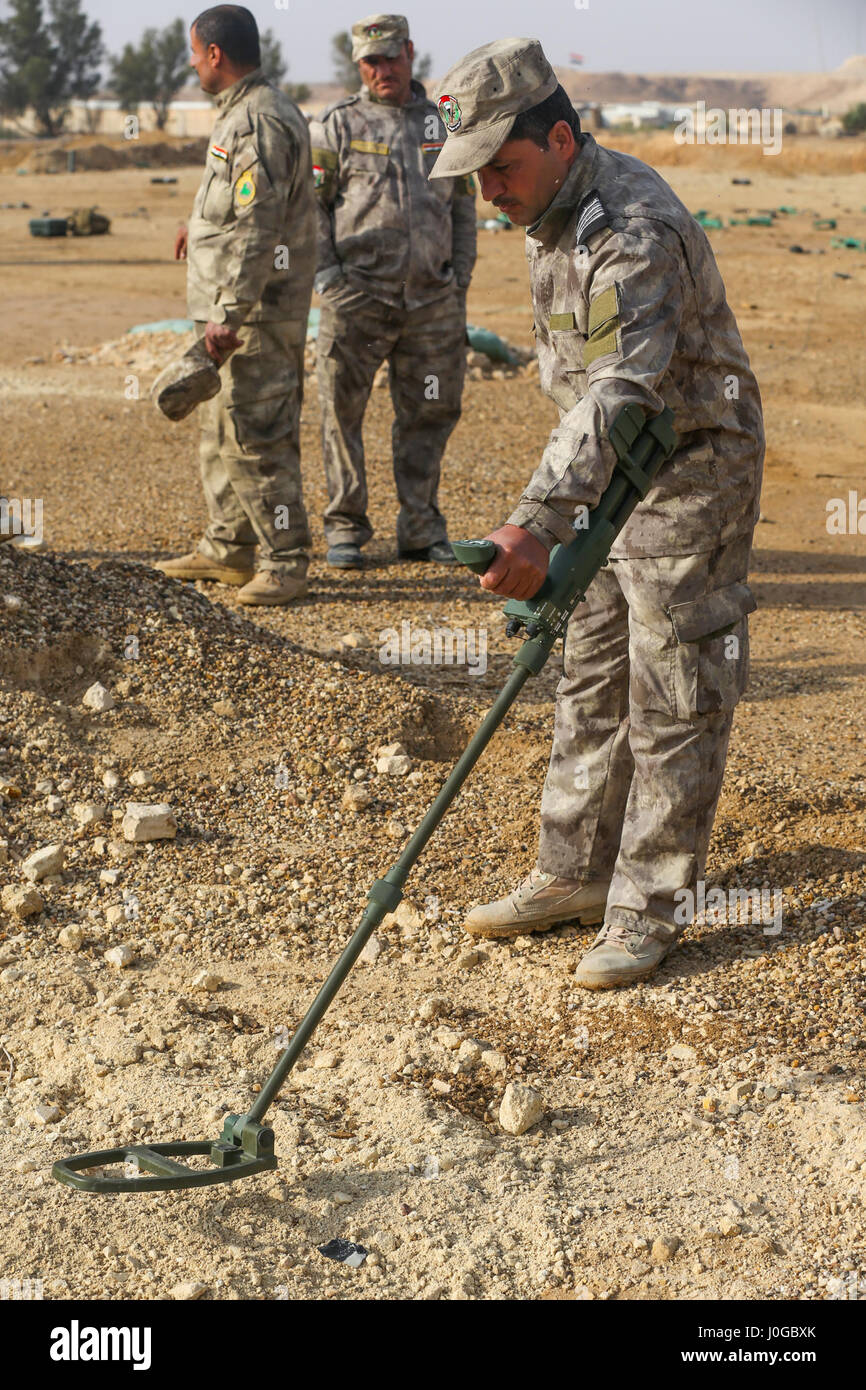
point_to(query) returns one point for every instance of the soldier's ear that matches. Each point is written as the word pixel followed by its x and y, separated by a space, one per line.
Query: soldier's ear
pixel 410 50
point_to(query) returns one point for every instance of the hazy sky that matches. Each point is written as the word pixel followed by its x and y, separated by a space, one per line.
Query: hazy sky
pixel 625 35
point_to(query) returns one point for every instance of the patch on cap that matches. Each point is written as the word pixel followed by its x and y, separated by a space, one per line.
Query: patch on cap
pixel 449 110
pixel 374 31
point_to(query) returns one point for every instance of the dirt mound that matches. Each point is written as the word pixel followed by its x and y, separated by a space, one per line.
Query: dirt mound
pixel 52 157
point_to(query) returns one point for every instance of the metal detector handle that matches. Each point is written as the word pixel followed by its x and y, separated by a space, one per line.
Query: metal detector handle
pixel 477 556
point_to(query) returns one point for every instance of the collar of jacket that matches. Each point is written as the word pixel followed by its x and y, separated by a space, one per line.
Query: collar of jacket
pixel 548 227
pixel 231 94
pixel 419 93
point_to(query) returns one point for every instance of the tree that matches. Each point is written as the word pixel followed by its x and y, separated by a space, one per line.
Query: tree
pixel 854 120
pixel 298 91
pixel 45 64
pixel 152 72
pixel 273 63
pixel 345 70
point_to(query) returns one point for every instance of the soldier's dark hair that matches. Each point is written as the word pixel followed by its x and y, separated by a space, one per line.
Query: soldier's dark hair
pixel 234 30
pixel 537 123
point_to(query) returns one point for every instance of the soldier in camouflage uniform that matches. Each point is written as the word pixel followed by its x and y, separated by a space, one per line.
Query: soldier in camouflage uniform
pixel 251 258
pixel 629 307
pixel 395 257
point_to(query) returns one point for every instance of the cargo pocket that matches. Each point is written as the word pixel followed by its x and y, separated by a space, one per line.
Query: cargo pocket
pixel 711 656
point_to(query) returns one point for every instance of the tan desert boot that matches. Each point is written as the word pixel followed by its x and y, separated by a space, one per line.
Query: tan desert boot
pixel 621 956
pixel 198 566
pixel 269 586
pixel 541 901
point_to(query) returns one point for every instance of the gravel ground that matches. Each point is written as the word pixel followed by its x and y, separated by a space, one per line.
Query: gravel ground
pixel 702 1135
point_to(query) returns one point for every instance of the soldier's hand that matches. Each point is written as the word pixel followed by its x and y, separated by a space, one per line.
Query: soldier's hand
pixel 180 244
pixel 220 341
pixel 520 566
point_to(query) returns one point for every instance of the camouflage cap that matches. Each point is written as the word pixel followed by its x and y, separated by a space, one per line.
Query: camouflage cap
pixel 379 33
pixel 481 97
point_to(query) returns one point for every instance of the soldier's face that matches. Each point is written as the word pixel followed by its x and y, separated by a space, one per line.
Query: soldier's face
pixel 200 60
pixel 523 180
pixel 389 79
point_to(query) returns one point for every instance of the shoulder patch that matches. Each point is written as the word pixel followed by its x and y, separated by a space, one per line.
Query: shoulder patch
pixel 245 189
pixel 591 217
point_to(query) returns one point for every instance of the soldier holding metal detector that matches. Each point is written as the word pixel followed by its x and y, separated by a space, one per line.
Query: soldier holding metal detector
pixel 629 308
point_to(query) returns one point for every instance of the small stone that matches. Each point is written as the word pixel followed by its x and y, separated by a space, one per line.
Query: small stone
pixel 740 1091
pixel 71 938
pixel 119 957
pixel 326 1061
pixel 355 640
pixel 681 1052
pixel 372 951
pixel 143 822
pixel 88 812
pixel 115 914
pixel 46 1114
pixel 521 1108
pixel 140 778
pixel 449 1038
pixel 432 1007
pixel 21 902
pixel 729 1227
pixel 54 805
pixel 356 798
pixel 225 708
pixel 43 862
pixel 495 1061
pixel 97 698
pixel 467 959
pixel 10 975
pixel 342 1199
pixel 111 877
pixel 207 981
pixel 469 1054
pixel 25 1165
pixel 442 1088
pixel 664 1248
pixel 110 779
pixel 187 1292
pixel 392 760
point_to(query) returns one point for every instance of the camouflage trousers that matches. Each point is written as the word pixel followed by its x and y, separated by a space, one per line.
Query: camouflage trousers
pixel 655 662
pixel 250 453
pixel 425 351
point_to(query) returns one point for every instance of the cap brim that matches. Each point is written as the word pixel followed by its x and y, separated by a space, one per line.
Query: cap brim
pixel 379 50
pixel 465 154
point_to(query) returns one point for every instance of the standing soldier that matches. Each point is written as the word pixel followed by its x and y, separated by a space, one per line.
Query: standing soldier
pixel 395 257
pixel 251 253
pixel 629 307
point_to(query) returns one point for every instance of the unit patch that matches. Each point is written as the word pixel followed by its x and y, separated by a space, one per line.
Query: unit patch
pixel 591 217
pixel 245 189
pixel 449 110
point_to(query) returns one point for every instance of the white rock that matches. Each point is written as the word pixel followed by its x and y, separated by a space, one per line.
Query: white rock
pixel 140 778
pixel 110 779
pixel 664 1248
pixel 98 698
pixel 681 1052
pixel 110 876
pixel 88 812
pixel 143 822
pixel 43 862
pixel 186 1292
pixel 372 951
pixel 355 639
pixel 356 798
pixel 392 760
pixel 4 851
pixel 469 1054
pixel 10 975
pixel 71 938
pixel 46 1114
pixel 740 1091
pixel 54 805
pixel 326 1061
pixel 494 1061
pixel 521 1108
pixel 342 1199
pixel 21 901
pixel 432 1007
pixel 449 1038
pixel 207 981
pixel 119 957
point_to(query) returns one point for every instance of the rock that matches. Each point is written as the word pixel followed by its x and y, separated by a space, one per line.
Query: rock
pixel 21 902
pixel 355 640
pixel 740 1091
pixel 115 914
pixel 46 1114
pixel 729 1227
pixel 494 1061
pixel 71 938
pixel 225 708
pixel 25 1165
pixel 681 1052
pixel 88 812
pixel 326 1061
pixel 467 959
pixel 342 1199
pixel 356 798
pixel 187 1292
pixel 4 851
pixel 140 778
pixel 448 1038
pixel 432 1007
pixel 521 1108
pixel 143 822
pixel 207 981
pixel 43 862
pixel 119 957
pixel 392 760
pixel 664 1248
pixel 372 951
pixel 442 1088
pixel 10 975
pixel 54 805
pixel 98 699
pixel 469 1054
pixel 110 876
pixel 110 779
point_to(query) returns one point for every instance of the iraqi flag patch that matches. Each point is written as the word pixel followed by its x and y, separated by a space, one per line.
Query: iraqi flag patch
pixel 218 152
pixel 591 217
pixel 432 144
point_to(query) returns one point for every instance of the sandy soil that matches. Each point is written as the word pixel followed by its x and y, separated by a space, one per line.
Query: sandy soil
pixel 703 1134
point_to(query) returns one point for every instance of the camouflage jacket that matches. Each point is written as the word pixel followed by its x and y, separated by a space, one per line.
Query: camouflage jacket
pixel 630 306
pixel 390 231
pixel 251 235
